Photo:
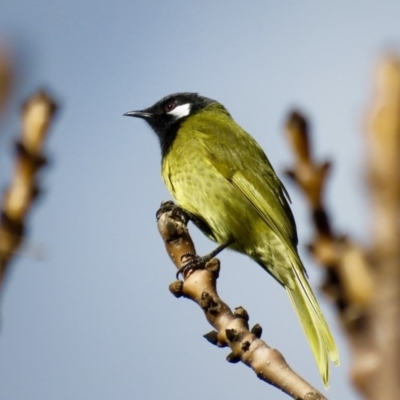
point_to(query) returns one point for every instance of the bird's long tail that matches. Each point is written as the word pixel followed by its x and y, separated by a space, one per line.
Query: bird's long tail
pixel 313 322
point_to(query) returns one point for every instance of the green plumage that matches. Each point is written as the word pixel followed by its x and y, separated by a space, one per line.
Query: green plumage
pixel 220 175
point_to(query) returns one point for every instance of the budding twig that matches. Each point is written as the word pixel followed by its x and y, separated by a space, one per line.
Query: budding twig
pixel 384 174
pixel 365 284
pixel 231 328
pixel 37 114
pixel 348 278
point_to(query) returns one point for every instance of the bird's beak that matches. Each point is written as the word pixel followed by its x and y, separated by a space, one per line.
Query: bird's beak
pixel 139 114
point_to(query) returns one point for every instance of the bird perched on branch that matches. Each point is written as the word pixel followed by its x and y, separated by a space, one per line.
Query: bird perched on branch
pixel 220 176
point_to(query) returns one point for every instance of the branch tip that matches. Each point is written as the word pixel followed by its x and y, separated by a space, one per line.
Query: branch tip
pixel 257 330
pixel 176 288
pixel 232 358
pixel 212 337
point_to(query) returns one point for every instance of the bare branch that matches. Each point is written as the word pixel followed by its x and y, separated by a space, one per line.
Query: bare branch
pixel 37 114
pixel 6 76
pixel 364 284
pixel 348 278
pixel 384 173
pixel 231 328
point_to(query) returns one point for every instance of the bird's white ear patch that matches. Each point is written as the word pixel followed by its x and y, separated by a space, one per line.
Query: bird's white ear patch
pixel 180 111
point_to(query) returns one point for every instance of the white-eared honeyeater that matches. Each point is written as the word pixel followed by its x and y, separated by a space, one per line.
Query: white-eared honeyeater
pixel 221 177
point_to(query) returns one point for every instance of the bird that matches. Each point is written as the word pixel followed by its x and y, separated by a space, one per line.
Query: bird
pixel 220 176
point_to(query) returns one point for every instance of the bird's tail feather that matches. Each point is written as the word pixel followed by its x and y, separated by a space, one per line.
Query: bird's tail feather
pixel 313 322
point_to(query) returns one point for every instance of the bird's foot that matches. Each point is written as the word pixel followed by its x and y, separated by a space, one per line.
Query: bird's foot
pixel 194 263
pixel 177 211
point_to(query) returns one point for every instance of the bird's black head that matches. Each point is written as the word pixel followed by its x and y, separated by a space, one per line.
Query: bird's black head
pixel 166 116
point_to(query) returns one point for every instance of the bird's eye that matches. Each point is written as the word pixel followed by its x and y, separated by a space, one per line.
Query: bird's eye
pixel 169 106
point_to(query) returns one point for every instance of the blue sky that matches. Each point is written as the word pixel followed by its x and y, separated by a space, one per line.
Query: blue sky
pixel 93 319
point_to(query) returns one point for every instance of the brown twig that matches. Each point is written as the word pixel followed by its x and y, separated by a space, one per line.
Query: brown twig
pixel 231 328
pixel 6 77
pixel 37 114
pixel 364 284
pixel 348 278
pixel 384 174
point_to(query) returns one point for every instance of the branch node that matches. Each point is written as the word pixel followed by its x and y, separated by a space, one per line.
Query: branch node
pixel 233 335
pixel 245 346
pixel 208 304
pixel 240 312
pixel 321 221
pixel 232 358
pixel 314 396
pixel 291 174
pixel 326 167
pixel 212 337
pixel 12 225
pixel 257 330
pixel 176 288
pixel 213 266
pixel 36 160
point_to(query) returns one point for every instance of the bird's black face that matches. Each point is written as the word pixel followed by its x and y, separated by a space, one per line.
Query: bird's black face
pixel 167 114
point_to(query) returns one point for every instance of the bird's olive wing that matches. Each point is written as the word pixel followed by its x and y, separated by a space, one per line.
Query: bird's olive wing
pixel 246 166
pixel 268 206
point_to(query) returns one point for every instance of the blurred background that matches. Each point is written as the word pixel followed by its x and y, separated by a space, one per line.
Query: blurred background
pixel 86 312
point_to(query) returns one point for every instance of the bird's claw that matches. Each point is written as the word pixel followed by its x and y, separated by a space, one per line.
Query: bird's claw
pixel 170 206
pixel 194 263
